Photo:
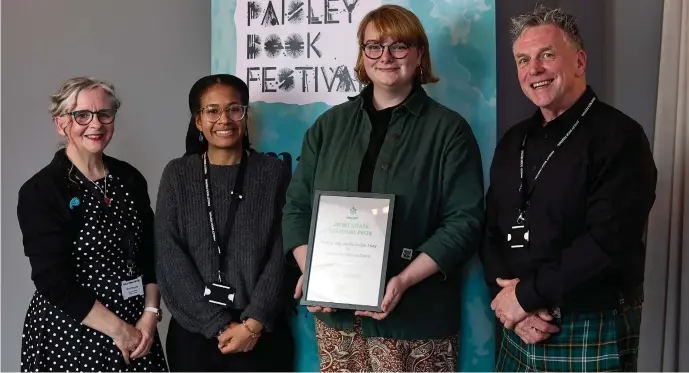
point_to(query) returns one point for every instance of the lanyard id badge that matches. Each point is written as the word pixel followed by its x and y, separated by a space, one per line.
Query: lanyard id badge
pixel 217 292
pixel 131 286
pixel 519 235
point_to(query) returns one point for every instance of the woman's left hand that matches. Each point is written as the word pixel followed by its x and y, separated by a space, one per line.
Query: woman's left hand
pixel 393 293
pixel 238 337
pixel 147 325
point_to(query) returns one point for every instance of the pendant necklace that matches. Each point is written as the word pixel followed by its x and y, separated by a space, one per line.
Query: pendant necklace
pixel 107 199
pixel 107 175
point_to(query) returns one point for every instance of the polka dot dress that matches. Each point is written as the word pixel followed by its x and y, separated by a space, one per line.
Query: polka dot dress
pixel 54 341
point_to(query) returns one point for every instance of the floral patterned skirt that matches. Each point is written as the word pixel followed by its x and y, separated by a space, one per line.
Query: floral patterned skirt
pixel 349 350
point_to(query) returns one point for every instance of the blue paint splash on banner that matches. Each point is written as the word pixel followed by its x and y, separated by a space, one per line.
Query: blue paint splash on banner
pixel 462 38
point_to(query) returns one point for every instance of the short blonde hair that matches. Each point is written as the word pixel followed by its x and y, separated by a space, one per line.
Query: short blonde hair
pixel 400 24
pixel 65 99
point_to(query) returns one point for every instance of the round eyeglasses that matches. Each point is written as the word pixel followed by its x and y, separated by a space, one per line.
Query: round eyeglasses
pixel 397 50
pixel 212 113
pixel 84 117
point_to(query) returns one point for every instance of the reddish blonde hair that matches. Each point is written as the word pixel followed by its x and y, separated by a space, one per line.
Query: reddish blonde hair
pixel 400 24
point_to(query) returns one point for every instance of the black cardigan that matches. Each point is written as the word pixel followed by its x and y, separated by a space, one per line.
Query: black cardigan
pixel 49 227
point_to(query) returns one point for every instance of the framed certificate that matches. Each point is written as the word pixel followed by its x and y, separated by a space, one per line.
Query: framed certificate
pixel 347 255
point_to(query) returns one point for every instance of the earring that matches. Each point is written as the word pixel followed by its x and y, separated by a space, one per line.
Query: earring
pixel 421 67
pixel 200 136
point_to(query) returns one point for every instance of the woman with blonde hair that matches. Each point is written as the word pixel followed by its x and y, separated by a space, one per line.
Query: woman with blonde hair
pixel 392 138
pixel 87 228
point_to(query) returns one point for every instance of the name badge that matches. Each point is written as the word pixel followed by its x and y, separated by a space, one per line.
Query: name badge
pixel 222 295
pixel 518 238
pixel 132 288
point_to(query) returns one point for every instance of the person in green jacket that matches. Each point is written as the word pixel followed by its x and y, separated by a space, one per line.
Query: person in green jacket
pixel 393 138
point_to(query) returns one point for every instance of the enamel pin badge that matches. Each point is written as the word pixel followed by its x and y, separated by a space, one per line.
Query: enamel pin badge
pixel 74 202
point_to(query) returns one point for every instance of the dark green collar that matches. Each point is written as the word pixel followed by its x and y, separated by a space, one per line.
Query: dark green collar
pixel 414 103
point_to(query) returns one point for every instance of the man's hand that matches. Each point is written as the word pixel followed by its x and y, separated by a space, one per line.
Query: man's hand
pixel 536 328
pixel 505 304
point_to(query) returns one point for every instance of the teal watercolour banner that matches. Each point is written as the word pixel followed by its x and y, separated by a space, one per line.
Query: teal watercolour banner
pixel 462 46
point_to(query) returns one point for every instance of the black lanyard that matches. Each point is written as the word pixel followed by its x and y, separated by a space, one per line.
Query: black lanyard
pixel 236 196
pixel 526 194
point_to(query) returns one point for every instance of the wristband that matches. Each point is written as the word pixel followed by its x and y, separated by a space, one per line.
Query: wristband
pixel 253 335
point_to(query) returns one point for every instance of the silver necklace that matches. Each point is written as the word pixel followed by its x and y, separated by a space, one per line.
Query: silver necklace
pixel 108 200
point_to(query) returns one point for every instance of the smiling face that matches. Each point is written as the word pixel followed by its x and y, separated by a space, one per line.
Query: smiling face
pixel 550 69
pixel 88 133
pixel 397 66
pixel 222 119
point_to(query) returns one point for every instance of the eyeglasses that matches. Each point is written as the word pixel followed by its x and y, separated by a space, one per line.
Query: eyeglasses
pixel 212 113
pixel 84 117
pixel 398 50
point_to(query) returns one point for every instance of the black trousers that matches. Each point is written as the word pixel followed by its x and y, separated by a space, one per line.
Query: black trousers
pixel 193 352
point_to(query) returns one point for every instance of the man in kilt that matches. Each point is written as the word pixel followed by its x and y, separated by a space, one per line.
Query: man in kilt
pixel 570 192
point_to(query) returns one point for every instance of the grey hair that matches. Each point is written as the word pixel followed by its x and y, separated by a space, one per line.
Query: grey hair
pixel 542 16
pixel 64 99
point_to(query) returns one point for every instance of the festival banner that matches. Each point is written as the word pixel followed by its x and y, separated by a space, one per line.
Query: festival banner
pixel 298 56
pixel 290 51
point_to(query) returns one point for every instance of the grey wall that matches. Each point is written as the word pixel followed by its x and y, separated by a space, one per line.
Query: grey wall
pixel 152 51
pixel 622 40
pixel 632 53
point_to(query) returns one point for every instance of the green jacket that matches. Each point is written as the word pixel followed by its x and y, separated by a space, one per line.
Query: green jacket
pixel 431 162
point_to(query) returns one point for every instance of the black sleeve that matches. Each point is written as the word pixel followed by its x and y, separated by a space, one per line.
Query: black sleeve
pixel 146 254
pixel 47 234
pixel 489 251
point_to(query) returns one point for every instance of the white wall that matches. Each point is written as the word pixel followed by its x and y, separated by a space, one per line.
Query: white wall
pixel 152 51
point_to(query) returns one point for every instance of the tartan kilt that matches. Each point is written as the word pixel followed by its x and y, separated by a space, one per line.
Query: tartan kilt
pixel 587 342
